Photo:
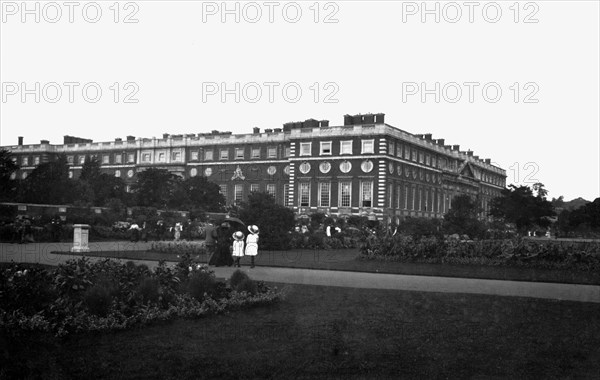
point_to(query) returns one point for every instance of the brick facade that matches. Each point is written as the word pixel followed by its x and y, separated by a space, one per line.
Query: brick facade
pixel 364 167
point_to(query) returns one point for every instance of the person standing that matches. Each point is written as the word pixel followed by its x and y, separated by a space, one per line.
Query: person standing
pixel 238 247
pixel 252 243
pixel 210 240
pixel 222 254
pixel 178 229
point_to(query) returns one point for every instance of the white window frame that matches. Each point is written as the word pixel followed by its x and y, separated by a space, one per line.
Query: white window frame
pixel 255 152
pixel 238 193
pixel 239 156
pixel 24 161
pixel 254 187
pixel 345 147
pixel 105 159
pixel 286 195
pixel 36 160
pixel 224 157
pixel 271 152
pixel 304 189
pixel 176 156
pixel 70 160
pixel 287 151
pixel 194 155
pixel 341 194
pixel 322 148
pixel 130 157
pixel 271 189
pixel 363 194
pixel 118 158
pixel 325 189
pixel 303 146
pixel 366 143
pixel 209 155
pixel 81 160
pixel 391 195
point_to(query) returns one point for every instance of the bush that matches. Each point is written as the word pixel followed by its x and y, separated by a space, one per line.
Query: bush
pixel 237 277
pixel 148 290
pixel 247 285
pixel 98 299
pixel 201 283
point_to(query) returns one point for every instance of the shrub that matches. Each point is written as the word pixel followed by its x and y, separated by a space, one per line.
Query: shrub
pixel 99 297
pixel 201 283
pixel 237 277
pixel 148 290
pixel 247 285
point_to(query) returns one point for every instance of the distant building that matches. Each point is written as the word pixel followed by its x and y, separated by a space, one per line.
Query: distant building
pixel 363 167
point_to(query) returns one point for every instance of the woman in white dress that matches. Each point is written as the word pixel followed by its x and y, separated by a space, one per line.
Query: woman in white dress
pixel 252 243
pixel 238 247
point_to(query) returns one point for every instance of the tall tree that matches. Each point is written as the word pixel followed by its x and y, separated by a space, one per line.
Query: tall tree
pixel 275 221
pixel 49 183
pixel 462 218
pixel 203 194
pixel 7 167
pixel 518 205
pixel 154 188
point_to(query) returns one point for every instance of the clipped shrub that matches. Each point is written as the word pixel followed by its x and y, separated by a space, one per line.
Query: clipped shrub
pixel 237 277
pixel 148 290
pixel 99 297
pixel 201 283
pixel 247 285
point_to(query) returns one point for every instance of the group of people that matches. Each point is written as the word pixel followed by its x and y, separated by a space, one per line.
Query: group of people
pixel 226 246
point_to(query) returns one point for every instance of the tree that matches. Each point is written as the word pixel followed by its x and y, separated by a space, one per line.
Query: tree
pixel 7 167
pixel 583 220
pixel 462 218
pixel 200 193
pixel 49 183
pixel 154 188
pixel 518 205
pixel 275 221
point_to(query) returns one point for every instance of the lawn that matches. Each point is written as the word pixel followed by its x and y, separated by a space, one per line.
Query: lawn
pixel 347 260
pixel 326 332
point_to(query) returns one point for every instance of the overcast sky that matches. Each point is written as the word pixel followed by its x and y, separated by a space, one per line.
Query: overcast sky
pixel 180 67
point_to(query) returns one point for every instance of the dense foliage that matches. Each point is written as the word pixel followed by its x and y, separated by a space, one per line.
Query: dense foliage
pixel 107 295
pixel 520 206
pixel 274 221
pixel 508 252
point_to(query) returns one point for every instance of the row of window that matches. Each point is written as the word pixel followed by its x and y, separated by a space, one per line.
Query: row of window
pixel 239 153
pixel 325 147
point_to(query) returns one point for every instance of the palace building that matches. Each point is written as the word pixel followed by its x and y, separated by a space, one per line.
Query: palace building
pixel 364 167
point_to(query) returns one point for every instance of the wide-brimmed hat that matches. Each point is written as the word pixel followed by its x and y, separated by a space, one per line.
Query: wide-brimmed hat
pixel 253 229
pixel 238 235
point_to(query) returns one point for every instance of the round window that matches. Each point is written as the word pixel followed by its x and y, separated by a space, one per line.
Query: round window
pixel 207 172
pixel 304 167
pixel 70 174
pixel 399 170
pixel 391 168
pixel 193 172
pixel 271 170
pixel 366 166
pixel 130 173
pixel 345 166
pixel 24 175
pixel 117 173
pixel 325 167
pixel 286 170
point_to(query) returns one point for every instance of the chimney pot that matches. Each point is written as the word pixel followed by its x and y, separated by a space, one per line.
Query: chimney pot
pixel 470 153
pixel 441 142
pixel 44 142
pixel 456 147
pixel 427 136
pixel 256 130
pixel 20 140
pixel 488 161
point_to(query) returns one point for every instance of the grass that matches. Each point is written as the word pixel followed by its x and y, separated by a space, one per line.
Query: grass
pixel 324 332
pixel 347 260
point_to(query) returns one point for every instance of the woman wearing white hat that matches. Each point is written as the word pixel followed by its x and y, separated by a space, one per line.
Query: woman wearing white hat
pixel 252 243
pixel 238 247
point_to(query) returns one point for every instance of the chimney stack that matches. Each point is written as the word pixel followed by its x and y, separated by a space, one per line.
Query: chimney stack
pixel 348 120
pixel 324 123
pixel 44 142
pixel 470 153
pixel 379 118
pixel 488 161
pixel 456 147
pixel 20 140
pixel 427 136
pixel 130 138
pixel 441 142
pixel 256 130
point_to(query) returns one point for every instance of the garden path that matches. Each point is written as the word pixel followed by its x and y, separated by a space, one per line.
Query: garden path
pixel 41 253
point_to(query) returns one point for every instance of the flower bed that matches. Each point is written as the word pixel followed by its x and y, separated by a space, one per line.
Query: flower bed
pixel 179 247
pixel 81 296
pixel 583 256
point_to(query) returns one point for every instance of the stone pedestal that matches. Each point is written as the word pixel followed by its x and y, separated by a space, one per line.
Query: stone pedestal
pixel 80 238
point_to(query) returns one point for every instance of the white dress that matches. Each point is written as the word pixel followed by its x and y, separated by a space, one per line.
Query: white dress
pixel 238 248
pixel 252 245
